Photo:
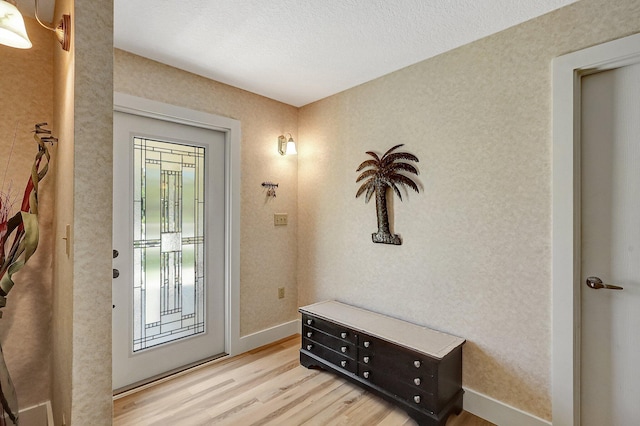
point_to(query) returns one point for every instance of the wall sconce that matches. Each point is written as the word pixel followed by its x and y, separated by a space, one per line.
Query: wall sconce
pixel 286 147
pixel 14 34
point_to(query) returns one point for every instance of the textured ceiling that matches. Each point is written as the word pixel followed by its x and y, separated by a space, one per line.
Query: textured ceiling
pixel 299 51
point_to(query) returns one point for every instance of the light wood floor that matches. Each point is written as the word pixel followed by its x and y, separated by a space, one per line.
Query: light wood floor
pixel 267 386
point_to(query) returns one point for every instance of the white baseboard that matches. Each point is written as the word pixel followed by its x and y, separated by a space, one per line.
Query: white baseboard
pixel 269 335
pixel 38 415
pixel 498 412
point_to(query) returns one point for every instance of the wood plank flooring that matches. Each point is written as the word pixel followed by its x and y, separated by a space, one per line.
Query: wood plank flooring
pixel 267 386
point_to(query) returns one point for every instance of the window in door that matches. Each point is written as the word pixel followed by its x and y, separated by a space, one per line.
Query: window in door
pixel 168 245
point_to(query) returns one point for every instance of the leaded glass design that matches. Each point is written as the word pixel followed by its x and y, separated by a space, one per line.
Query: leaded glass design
pixel 168 243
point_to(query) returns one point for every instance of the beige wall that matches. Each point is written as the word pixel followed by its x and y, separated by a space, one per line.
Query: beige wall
pixel 62 322
pixel 92 248
pixel 267 253
pixel 476 257
pixel 476 254
pixel 26 78
pixel 81 388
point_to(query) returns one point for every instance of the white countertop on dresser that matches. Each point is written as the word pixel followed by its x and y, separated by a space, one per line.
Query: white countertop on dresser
pixel 422 339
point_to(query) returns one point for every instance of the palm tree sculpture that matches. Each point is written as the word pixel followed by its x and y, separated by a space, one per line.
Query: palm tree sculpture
pixel 381 175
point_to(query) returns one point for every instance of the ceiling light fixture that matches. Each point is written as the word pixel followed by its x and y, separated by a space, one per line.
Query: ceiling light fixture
pixel 14 34
pixel 286 147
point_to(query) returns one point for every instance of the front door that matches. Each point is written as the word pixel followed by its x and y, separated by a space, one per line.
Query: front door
pixel 168 221
pixel 610 200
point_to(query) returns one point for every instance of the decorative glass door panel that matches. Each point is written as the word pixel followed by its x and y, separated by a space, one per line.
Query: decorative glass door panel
pixel 169 230
pixel 168 244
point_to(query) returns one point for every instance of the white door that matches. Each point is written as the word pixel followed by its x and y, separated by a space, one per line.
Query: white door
pixel 610 199
pixel 168 221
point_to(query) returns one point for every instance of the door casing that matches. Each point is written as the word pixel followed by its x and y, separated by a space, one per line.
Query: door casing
pixel 567 73
pixel 231 128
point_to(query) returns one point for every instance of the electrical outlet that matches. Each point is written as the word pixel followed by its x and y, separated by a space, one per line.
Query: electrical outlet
pixel 280 292
pixel 280 219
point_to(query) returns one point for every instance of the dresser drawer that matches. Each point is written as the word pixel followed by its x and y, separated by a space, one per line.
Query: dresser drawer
pixel 338 345
pixel 328 327
pixel 404 363
pixel 411 377
pixel 336 358
pixel 402 389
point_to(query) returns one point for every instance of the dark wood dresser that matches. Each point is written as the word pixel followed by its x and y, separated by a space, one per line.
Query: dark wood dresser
pixel 416 368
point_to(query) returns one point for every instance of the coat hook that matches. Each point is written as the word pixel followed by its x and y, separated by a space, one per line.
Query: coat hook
pixel 271 188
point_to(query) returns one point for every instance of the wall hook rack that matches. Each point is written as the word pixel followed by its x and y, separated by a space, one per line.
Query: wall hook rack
pixel 271 188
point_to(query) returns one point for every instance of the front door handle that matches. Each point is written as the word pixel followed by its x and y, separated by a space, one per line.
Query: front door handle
pixel 596 283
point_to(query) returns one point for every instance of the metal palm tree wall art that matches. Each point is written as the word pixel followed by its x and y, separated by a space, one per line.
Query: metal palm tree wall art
pixel 380 175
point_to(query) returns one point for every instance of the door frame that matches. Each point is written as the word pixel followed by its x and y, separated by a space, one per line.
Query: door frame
pixel 231 128
pixel 568 71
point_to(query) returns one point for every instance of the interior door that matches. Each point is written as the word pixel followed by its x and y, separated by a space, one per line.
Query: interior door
pixel 168 210
pixel 610 200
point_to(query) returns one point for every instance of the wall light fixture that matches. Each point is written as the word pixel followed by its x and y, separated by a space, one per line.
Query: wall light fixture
pixel 286 147
pixel 14 34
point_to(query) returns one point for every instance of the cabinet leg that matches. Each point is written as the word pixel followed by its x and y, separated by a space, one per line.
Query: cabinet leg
pixel 308 362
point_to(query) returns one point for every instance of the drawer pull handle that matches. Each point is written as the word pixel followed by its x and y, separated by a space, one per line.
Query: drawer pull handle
pixel 343 349
pixel 309 347
pixel 309 321
pixel 417 399
pixel 309 333
pixel 366 374
pixel 343 335
pixel 367 344
pixel 417 381
pixel 365 360
pixel 417 364
pixel 343 363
